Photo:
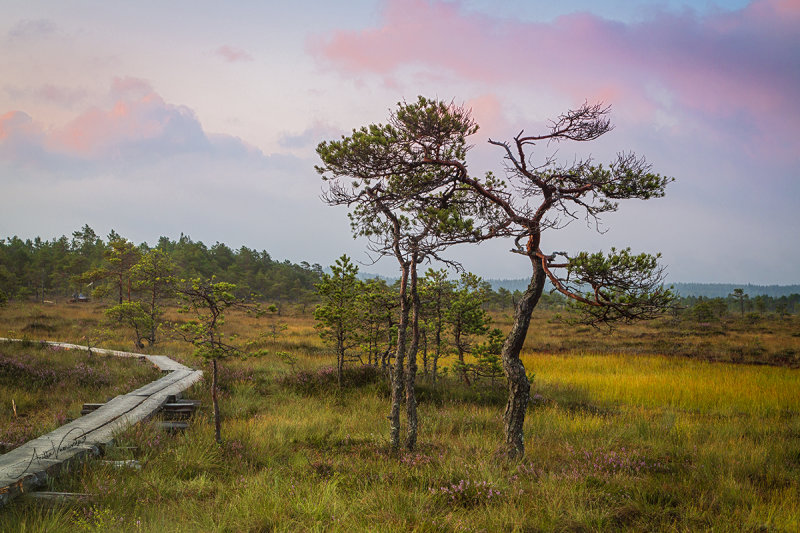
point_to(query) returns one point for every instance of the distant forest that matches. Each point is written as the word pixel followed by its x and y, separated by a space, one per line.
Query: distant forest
pixel 722 290
pixel 706 290
pixel 64 268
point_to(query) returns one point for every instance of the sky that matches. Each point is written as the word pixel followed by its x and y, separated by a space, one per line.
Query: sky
pixel 201 117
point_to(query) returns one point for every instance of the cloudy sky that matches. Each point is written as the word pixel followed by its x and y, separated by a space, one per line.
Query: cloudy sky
pixel 155 118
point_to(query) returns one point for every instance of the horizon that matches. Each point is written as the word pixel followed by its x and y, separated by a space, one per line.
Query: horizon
pixel 389 276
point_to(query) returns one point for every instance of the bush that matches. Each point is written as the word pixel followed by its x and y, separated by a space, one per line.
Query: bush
pixel 702 312
pixel 752 318
pixel 324 378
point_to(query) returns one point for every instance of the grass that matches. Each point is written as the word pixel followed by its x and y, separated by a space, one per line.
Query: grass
pixel 760 340
pixel 617 439
pixel 668 382
pixel 42 387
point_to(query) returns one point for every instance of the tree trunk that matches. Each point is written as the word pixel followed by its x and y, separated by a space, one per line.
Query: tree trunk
pixel 339 362
pixel 423 338
pixel 397 375
pixel 214 383
pixel 386 356
pixel 385 359
pixel 411 375
pixel 462 376
pixel 518 385
pixel 437 349
pixel 153 313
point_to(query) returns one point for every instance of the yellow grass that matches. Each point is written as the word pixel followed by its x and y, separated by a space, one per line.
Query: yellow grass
pixel 674 382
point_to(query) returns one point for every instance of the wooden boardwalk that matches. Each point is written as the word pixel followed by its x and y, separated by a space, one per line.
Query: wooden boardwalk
pixel 28 467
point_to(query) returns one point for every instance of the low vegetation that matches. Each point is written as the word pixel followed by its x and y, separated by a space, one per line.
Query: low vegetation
pixel 621 434
pixel 43 387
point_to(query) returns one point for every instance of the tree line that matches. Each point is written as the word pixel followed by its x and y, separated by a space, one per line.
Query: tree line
pixel 738 302
pixel 63 267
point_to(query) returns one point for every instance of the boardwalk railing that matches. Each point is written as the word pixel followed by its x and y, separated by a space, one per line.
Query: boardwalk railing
pixel 27 467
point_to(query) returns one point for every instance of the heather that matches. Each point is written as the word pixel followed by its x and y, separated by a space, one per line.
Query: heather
pixel 44 386
pixel 616 440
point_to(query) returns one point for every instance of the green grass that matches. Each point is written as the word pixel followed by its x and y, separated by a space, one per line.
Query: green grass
pixel 41 387
pixel 615 441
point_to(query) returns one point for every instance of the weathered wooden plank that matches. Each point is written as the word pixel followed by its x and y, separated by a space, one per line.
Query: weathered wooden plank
pixel 155 386
pixel 161 361
pixel 182 404
pixel 29 466
pixel 178 410
pixel 165 363
pixel 37 471
pixel 143 410
pixel 173 426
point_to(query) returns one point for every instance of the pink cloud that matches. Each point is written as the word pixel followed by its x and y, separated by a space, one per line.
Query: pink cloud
pixel 233 54
pixel 138 126
pixel 725 66
pixel 138 119
pixel 21 139
pixel 17 125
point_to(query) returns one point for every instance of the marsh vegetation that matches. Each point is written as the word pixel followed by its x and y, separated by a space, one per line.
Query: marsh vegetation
pixel 623 432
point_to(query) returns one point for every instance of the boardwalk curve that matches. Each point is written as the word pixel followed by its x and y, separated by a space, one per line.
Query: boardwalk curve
pixel 29 466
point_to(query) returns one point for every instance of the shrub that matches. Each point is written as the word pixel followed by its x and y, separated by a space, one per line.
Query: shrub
pixel 703 312
pixel 324 378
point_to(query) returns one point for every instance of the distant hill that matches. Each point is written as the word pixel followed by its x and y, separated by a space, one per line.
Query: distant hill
pixel 509 284
pixel 514 284
pixel 721 290
pixel 707 290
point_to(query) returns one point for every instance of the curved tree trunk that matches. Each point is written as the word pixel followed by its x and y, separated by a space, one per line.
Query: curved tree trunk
pixel 518 385
pixel 411 375
pixel 399 361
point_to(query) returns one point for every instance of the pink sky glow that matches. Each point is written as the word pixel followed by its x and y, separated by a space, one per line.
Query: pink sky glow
pixel 720 65
pixel 150 126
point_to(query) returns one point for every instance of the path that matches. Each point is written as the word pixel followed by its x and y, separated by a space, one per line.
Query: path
pixel 29 466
